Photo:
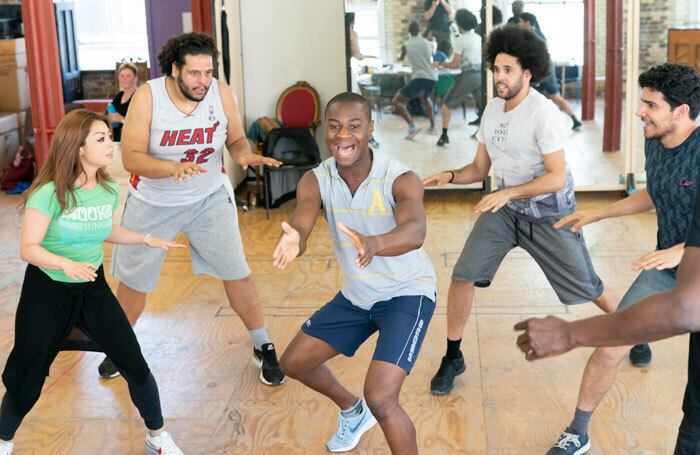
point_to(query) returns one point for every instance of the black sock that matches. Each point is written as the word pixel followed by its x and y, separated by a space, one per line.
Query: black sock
pixel 444 131
pixel 453 349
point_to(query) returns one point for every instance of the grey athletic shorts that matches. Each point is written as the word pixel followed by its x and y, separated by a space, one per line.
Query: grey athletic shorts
pixel 211 226
pixel 465 83
pixel 561 254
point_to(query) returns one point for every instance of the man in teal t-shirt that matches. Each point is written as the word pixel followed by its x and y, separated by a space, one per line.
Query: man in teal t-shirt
pixel 77 233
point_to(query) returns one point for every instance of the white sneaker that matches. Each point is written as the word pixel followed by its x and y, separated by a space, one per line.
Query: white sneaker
pixel 6 448
pixel 162 444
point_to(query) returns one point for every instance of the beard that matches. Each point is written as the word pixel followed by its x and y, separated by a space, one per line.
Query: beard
pixel 657 133
pixel 514 90
pixel 187 92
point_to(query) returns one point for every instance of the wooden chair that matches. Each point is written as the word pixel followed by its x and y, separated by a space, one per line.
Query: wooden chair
pixel 299 105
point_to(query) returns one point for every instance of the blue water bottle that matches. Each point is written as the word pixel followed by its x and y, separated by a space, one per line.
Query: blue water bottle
pixel 112 110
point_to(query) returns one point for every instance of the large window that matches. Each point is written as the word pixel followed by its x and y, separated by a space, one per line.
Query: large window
pixel 369 25
pixel 109 31
pixel 562 24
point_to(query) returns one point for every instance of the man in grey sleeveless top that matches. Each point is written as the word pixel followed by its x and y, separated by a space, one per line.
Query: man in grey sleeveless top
pixel 374 209
pixel 423 79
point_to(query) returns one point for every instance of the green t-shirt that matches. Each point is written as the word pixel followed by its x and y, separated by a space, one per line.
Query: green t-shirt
pixel 77 233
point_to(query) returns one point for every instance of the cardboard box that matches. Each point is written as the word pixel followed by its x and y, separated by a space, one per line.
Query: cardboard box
pixel 14 95
pixel 12 46
pixel 14 79
pixel 17 60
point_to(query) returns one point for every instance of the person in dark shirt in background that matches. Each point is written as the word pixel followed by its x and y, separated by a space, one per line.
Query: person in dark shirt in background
pixel 437 13
pixel 128 75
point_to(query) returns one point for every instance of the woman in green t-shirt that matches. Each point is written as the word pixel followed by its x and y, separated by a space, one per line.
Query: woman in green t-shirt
pixel 68 216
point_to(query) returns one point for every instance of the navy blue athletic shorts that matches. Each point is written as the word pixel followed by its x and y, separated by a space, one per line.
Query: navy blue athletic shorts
pixel 401 322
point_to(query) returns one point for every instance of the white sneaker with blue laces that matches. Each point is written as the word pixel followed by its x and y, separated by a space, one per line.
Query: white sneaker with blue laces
pixel 350 430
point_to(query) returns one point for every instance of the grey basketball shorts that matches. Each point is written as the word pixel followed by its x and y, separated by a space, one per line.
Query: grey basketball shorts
pixel 211 226
pixel 561 254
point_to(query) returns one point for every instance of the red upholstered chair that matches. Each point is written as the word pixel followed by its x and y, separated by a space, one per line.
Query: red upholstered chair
pixel 299 106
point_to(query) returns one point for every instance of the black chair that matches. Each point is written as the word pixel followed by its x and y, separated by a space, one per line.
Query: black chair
pixel 295 148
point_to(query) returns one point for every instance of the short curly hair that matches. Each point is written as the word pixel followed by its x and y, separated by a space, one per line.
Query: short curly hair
pixel 679 84
pixel 465 19
pixel 531 51
pixel 177 47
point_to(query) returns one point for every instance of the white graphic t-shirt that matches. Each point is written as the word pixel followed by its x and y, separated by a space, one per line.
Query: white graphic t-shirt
pixel 516 142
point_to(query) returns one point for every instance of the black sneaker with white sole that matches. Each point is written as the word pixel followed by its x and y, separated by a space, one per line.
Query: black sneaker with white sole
pixel 108 369
pixel 640 355
pixel 444 380
pixel 266 359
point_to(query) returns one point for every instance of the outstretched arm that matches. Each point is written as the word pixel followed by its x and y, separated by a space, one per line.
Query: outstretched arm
pixel 476 171
pixel 639 202
pixel 292 241
pixel 654 318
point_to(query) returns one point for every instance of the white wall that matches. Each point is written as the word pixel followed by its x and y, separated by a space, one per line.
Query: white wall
pixel 286 41
pixel 233 22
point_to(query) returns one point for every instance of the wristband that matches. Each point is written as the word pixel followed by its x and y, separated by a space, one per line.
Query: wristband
pixel 145 239
pixel 451 178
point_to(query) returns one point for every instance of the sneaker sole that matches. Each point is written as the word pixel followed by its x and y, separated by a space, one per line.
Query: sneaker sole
pixel 445 392
pixel 258 363
pixel 363 429
pixel 642 364
pixel 583 449
pixel 110 376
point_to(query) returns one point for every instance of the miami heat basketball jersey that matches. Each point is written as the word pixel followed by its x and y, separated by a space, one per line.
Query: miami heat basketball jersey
pixel 199 137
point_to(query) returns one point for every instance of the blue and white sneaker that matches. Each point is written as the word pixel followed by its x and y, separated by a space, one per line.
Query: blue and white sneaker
pixel 413 129
pixel 570 443
pixel 350 430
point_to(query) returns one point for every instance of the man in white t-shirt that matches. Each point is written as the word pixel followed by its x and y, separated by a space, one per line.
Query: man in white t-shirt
pixel 523 137
pixel 466 55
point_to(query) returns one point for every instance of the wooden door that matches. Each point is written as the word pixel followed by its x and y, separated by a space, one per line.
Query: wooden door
pixel 684 47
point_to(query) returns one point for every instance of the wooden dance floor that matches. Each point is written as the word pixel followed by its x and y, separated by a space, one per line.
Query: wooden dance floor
pixel 213 402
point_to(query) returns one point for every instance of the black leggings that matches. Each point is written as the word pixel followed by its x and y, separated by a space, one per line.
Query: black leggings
pixel 46 314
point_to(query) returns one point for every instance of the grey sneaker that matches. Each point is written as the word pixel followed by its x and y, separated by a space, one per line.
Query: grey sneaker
pixel 350 430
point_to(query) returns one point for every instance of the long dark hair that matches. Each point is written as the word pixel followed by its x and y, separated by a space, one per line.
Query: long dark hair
pixel 63 165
